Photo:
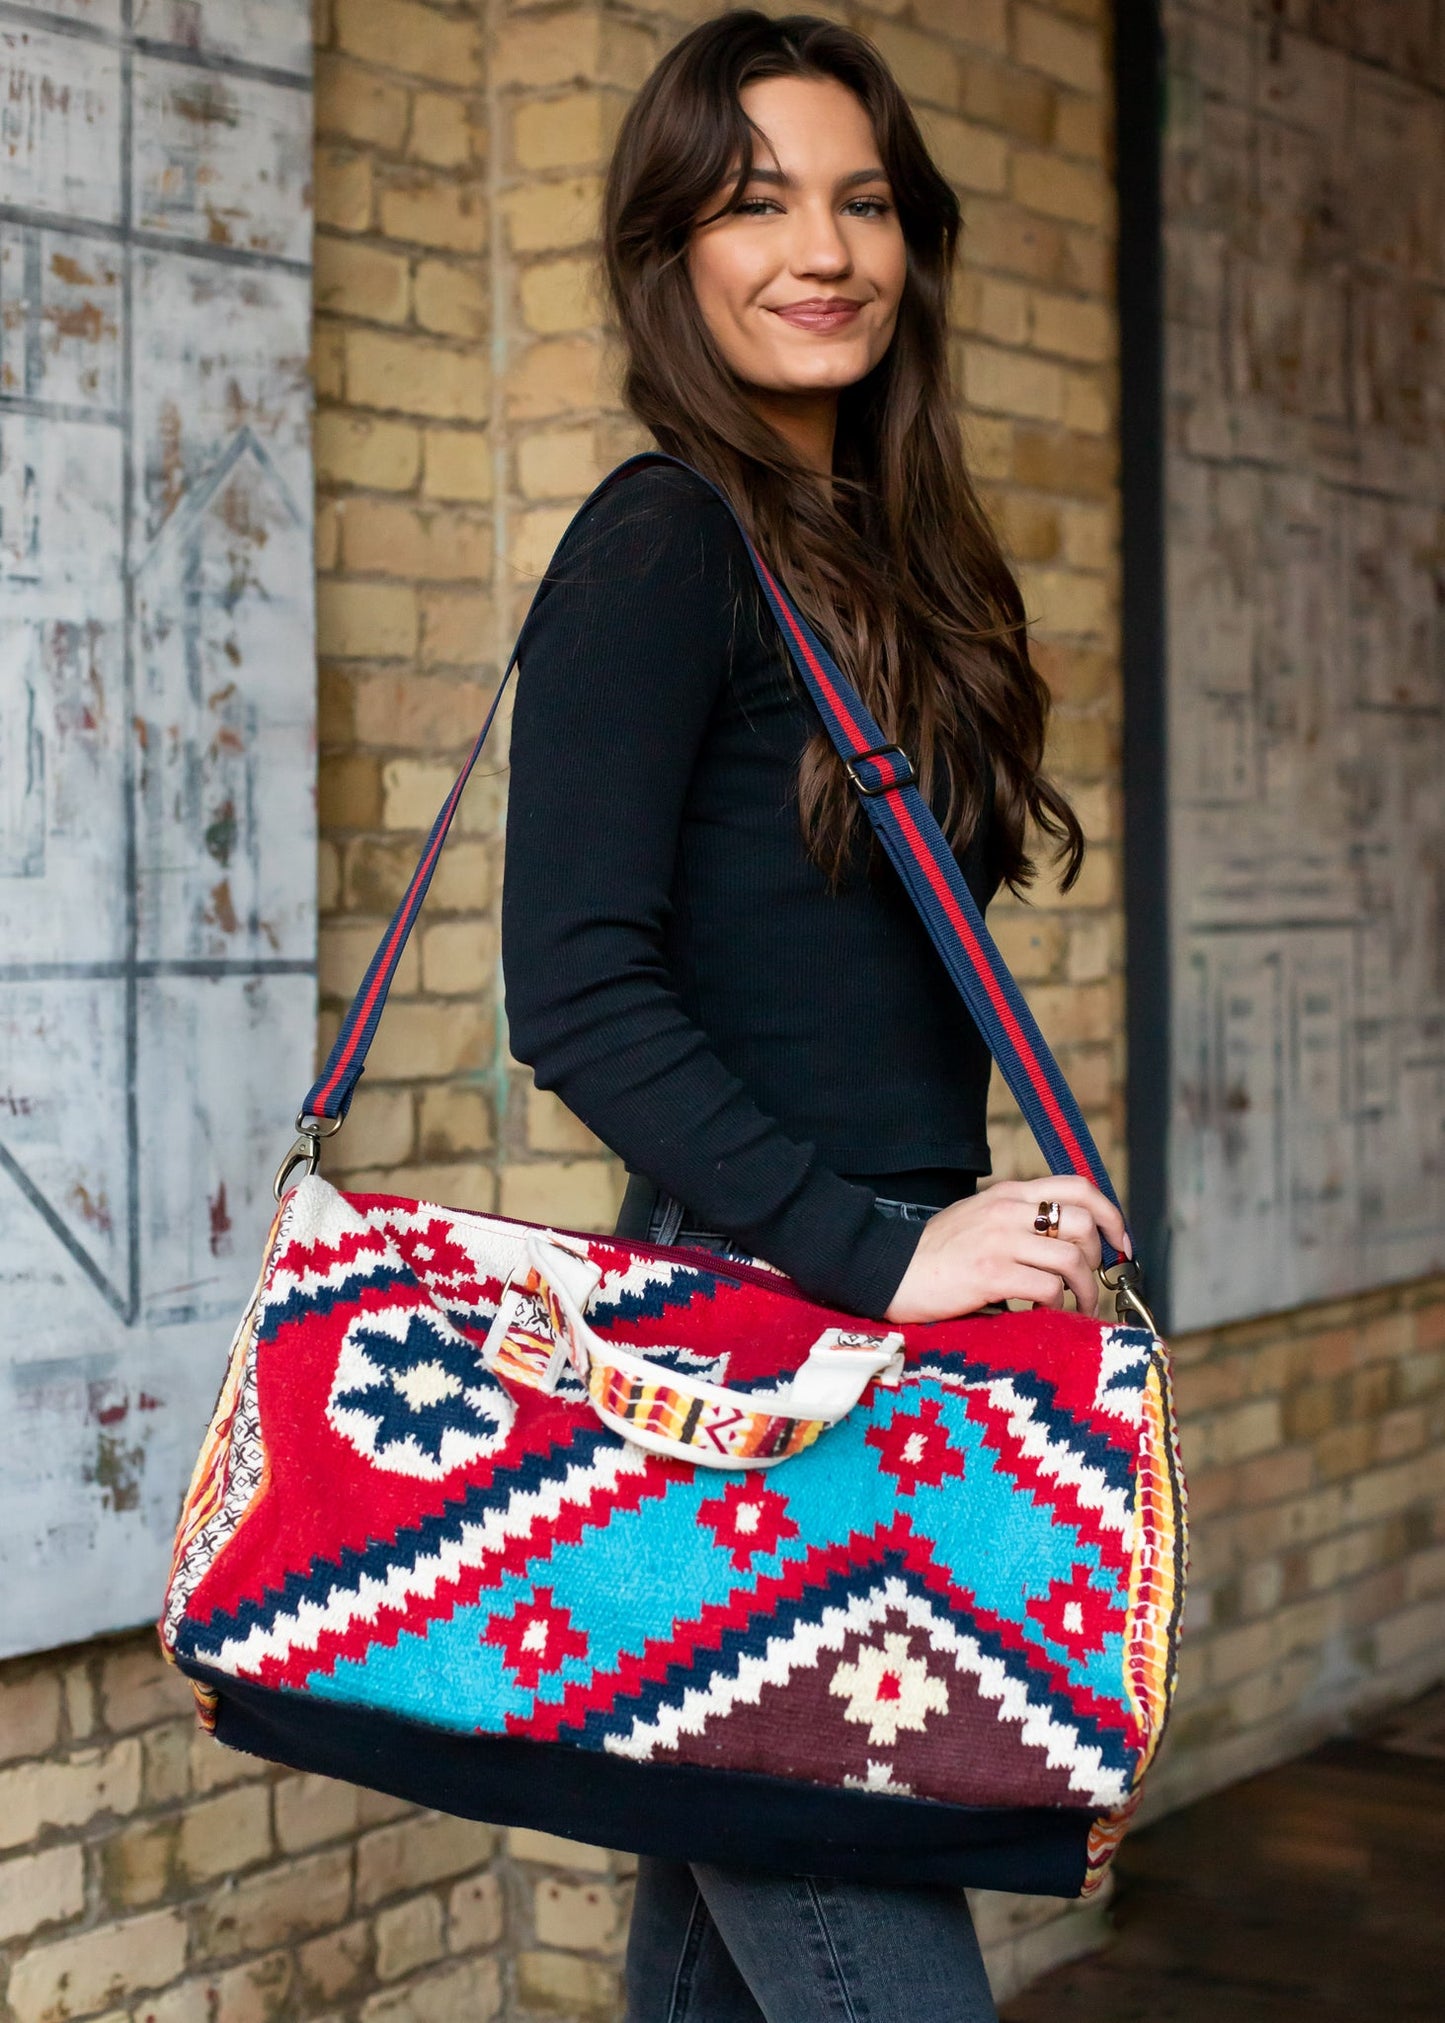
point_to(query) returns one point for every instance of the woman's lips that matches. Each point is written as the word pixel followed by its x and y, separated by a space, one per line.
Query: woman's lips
pixel 823 314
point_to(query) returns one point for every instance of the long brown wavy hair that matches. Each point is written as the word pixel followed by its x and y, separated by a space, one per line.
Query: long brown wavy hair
pixel 900 569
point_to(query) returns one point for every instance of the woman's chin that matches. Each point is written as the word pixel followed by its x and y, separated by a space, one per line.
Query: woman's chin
pixel 802 377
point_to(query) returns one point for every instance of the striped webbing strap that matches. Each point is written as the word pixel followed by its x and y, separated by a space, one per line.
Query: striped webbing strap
pixel 909 833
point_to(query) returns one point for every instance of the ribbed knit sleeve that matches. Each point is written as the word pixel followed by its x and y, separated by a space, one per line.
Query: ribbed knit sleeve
pixel 623 663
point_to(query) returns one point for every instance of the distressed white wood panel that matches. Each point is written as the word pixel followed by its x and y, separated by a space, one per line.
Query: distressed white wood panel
pixel 60 684
pixel 102 14
pixel 60 104
pixel 63 1092
pixel 1306 475
pixel 156 777
pixel 61 304
pixel 62 654
pixel 224 563
pixel 212 1084
pixel 222 158
pixel 120 1409
pixel 270 33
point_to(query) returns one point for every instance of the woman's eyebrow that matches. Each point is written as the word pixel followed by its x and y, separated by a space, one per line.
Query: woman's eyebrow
pixel 782 180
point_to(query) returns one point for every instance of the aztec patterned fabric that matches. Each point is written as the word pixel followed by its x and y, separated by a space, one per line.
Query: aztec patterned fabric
pixel 964 1595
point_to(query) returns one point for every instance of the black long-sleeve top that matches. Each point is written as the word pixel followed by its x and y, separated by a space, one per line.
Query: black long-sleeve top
pixel 677 968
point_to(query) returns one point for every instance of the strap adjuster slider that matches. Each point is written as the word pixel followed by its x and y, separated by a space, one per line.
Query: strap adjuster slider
pixel 905 777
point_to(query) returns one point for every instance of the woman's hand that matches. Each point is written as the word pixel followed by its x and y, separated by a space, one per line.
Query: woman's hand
pixel 985 1248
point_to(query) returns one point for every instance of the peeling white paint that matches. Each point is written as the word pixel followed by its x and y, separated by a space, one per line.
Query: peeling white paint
pixel 157 931
pixel 1306 682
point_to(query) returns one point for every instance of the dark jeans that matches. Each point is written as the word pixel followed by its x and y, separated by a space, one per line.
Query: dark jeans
pixel 722 1945
pixel 727 1945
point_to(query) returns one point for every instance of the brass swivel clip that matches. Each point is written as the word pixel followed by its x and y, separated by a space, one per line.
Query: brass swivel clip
pixel 306 1151
pixel 1127 1286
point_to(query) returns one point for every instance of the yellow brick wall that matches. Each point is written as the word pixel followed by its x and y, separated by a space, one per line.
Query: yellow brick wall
pixel 1313 1442
pixel 149 1876
pixel 406 455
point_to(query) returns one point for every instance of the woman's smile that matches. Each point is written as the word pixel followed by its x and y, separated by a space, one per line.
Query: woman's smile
pixel 820 313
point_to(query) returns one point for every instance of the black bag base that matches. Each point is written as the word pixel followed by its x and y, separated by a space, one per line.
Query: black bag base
pixel 675 1810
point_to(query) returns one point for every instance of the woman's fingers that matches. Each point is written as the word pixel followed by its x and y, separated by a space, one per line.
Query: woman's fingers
pixel 985 1247
pixel 1039 1288
pixel 1072 1190
pixel 1054 1254
pixel 1078 1227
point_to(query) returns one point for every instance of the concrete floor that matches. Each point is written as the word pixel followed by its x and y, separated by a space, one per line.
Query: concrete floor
pixel 1316 1891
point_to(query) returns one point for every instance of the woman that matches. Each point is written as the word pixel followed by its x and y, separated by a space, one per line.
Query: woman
pixel 704 957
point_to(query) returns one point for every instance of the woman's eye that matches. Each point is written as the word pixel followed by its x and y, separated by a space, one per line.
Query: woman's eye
pixel 869 207
pixel 755 207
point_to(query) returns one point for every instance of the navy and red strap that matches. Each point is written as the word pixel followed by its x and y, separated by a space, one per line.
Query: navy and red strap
pixel 331 1093
pixel 917 847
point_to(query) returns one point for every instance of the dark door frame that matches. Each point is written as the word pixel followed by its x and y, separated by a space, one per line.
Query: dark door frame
pixel 1139 99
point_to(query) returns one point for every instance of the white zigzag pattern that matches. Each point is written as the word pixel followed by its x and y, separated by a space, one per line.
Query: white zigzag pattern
pixel 1123 1352
pixel 637 1276
pixel 286 1278
pixel 496 1249
pixel 800 1650
pixel 316 1214
pixel 303 1627
pixel 1053 1458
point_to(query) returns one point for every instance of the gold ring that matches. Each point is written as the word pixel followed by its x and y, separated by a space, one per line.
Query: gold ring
pixel 1046 1222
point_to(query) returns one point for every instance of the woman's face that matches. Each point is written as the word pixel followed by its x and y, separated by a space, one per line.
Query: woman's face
pixel 800 286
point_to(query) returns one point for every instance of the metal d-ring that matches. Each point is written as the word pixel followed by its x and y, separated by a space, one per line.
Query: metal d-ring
pixel 306 1149
pixel 1127 1286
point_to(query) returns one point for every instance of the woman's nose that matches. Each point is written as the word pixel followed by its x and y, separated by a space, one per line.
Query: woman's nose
pixel 819 245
